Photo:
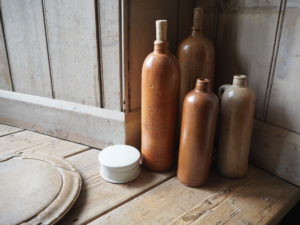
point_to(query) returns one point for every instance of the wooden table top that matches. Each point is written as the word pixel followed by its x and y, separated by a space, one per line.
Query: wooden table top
pixel 159 198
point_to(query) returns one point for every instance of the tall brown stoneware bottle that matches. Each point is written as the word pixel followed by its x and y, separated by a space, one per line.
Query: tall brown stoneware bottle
pixel 160 92
pixel 199 117
pixel 196 56
pixel 237 112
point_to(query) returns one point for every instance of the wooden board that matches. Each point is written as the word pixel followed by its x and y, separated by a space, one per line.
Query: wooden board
pixel 276 150
pixel 98 196
pixel 110 41
pixel 84 124
pixel 5 79
pixel 142 16
pixel 259 198
pixel 246 36
pixel 26 45
pixel 284 104
pixel 71 34
pixel 5 130
pixel 48 185
pixel 26 141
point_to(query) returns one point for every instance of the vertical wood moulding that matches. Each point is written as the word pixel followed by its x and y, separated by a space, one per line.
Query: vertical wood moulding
pixel 6 81
pixel 48 52
pixel 99 54
pixel 283 106
pixel 26 46
pixel 110 23
pixel 124 62
pixel 274 56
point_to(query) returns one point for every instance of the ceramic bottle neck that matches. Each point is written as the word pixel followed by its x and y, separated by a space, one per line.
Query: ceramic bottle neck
pixel 196 31
pixel 202 85
pixel 161 47
pixel 240 81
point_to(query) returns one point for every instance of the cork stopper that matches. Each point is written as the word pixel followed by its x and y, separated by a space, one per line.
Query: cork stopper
pixel 240 80
pixel 198 17
pixel 161 30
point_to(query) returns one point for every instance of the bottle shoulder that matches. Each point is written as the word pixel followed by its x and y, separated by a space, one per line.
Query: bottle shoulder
pixel 157 58
pixel 239 93
pixel 197 97
pixel 196 41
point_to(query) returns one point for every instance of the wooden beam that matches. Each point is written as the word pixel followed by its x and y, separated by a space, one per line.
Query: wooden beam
pixel 84 124
pixel 276 150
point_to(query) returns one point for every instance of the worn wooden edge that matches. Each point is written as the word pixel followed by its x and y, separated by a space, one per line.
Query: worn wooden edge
pixel 276 150
pixel 89 125
pixel 84 124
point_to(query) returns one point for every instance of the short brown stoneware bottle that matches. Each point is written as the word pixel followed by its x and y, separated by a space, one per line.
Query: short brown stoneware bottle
pixel 236 121
pixel 196 56
pixel 160 92
pixel 199 117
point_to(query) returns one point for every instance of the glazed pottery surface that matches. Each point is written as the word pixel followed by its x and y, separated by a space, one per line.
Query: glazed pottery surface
pixel 236 121
pixel 196 56
pixel 160 92
pixel 200 109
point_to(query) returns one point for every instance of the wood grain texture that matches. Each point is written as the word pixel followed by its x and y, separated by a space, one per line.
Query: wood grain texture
pixel 284 101
pixel 71 33
pixel 26 45
pixel 5 130
pixel 98 196
pixel 276 150
pixel 5 79
pixel 246 35
pixel 142 16
pixel 110 41
pixel 27 141
pixel 259 198
pixel 84 124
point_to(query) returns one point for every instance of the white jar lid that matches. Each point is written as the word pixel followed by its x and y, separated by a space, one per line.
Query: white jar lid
pixel 119 163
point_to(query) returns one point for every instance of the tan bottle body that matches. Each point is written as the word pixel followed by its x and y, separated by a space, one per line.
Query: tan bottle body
pixel 199 117
pixel 160 91
pixel 236 121
pixel 196 56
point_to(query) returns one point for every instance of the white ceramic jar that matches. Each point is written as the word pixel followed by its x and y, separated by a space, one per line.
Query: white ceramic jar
pixel 119 163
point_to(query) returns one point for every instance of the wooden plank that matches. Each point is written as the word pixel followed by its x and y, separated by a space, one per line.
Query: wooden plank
pixel 258 198
pixel 5 79
pixel 31 141
pixel 246 36
pixel 284 101
pixel 26 44
pixel 110 41
pixel 98 196
pixel 84 124
pixel 276 150
pixel 5 130
pixel 71 33
pixel 142 16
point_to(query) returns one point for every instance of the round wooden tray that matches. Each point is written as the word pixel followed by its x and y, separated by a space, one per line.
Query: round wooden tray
pixel 36 188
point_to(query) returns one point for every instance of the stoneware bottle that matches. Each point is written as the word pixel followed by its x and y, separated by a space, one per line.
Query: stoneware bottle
pixel 196 56
pixel 236 121
pixel 160 92
pixel 199 116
